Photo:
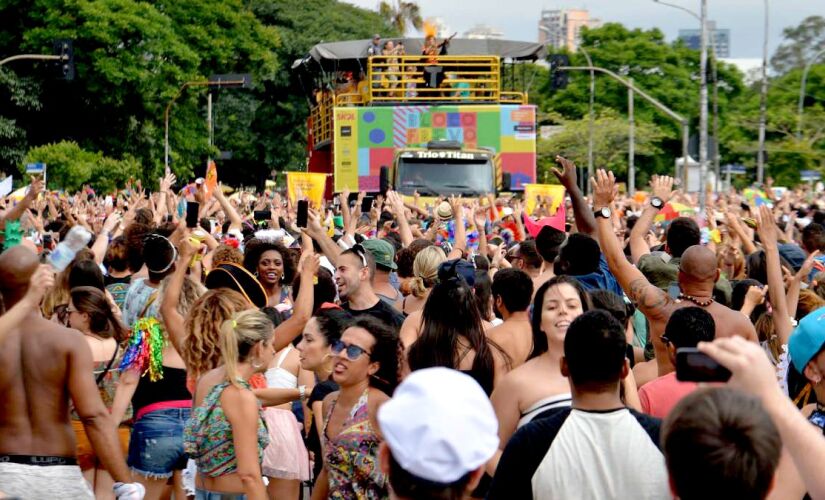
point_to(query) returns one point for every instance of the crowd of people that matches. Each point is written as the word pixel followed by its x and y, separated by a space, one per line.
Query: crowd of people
pixel 462 349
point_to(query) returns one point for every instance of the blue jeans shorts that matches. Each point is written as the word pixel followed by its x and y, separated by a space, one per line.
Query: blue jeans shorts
pixel 156 443
pixel 214 495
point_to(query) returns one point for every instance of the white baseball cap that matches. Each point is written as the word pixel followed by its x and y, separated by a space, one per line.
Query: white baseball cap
pixel 439 425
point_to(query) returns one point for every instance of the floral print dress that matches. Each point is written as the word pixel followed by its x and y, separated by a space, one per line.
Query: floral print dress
pixel 351 457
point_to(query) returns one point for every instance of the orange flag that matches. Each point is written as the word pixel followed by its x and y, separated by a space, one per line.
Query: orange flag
pixel 211 178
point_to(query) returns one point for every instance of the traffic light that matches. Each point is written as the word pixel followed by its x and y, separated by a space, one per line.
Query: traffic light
pixel 63 48
pixel 558 77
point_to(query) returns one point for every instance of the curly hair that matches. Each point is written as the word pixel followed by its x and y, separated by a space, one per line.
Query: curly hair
pixel 255 248
pixel 202 345
pixel 226 253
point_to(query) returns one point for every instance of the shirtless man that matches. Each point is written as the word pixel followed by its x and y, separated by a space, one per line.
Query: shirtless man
pixel 44 365
pixel 512 291
pixel 697 274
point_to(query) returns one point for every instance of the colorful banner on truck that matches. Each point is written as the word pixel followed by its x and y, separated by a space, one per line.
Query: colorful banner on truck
pixel 367 138
pixel 306 185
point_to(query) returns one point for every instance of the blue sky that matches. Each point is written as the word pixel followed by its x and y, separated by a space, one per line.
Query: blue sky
pixel 743 17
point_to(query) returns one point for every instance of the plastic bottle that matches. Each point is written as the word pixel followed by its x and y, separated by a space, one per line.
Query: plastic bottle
pixel 76 239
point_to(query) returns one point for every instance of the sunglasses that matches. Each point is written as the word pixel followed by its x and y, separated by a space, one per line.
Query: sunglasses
pixel 353 351
pixel 361 252
pixel 665 340
pixel 62 312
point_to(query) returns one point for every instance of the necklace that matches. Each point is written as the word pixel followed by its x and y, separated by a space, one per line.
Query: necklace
pixel 700 303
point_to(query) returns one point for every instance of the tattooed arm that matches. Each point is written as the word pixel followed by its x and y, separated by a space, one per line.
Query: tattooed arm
pixel 653 302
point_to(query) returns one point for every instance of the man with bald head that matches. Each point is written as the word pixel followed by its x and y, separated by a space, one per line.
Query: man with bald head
pixel 697 275
pixel 43 366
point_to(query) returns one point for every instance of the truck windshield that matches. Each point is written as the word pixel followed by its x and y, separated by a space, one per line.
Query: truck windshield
pixel 434 177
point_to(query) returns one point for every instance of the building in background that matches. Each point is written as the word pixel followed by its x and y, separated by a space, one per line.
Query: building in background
pixel 720 38
pixel 484 32
pixel 442 29
pixel 561 28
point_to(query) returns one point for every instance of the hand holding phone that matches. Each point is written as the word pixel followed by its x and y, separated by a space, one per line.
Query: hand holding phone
pixel 303 213
pixel 695 366
pixel 192 209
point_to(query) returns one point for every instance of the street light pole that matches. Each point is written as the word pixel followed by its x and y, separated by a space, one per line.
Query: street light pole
pixel 703 106
pixel 590 124
pixel 802 86
pixel 237 81
pixel 661 107
pixel 763 102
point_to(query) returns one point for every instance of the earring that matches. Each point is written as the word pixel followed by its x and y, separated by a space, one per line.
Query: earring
pixel 256 365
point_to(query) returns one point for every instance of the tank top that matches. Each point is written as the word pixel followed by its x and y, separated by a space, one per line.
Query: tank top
pixel 351 457
pixel 208 437
pixel 281 378
pixel 172 387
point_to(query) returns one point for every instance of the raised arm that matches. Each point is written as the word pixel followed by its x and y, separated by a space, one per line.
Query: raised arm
pixel 460 232
pixel 172 319
pixel 397 205
pixel 649 298
pixel 17 211
pixel 41 280
pixel 101 243
pixel 661 188
pixel 304 302
pixel 768 233
pixel 585 222
pixel 235 221
pixel 314 229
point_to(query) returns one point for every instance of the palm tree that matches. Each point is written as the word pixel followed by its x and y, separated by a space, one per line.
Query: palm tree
pixel 401 14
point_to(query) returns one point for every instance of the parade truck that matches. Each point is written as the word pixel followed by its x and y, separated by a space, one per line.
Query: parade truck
pixel 435 125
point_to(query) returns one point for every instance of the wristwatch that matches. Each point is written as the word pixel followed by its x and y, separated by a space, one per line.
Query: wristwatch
pixel 656 202
pixel 603 212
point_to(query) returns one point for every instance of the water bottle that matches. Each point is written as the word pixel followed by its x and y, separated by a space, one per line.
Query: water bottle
pixel 76 239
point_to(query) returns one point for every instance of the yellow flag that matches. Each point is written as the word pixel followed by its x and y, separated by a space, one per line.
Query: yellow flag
pixel 533 192
pixel 306 185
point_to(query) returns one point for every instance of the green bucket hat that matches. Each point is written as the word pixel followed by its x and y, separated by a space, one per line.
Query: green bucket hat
pixel 382 251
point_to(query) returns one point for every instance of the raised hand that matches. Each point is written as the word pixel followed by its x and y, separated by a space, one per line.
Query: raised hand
pixel 766 227
pixel 39 283
pixel 661 186
pixel 605 189
pixel 567 174
pixel 167 181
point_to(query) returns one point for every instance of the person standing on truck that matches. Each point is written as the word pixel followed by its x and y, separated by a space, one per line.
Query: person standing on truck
pixel 431 51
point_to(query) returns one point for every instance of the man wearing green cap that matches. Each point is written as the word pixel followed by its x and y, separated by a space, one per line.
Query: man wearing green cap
pixel 384 254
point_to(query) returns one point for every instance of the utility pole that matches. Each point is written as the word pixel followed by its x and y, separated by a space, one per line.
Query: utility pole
pixel 703 106
pixel 591 120
pixel 715 65
pixel 763 102
pixel 647 97
pixel 631 148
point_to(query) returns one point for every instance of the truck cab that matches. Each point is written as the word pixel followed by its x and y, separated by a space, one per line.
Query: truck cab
pixel 444 168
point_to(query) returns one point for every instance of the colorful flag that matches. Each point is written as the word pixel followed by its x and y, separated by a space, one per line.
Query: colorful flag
pixel 534 192
pixel 211 182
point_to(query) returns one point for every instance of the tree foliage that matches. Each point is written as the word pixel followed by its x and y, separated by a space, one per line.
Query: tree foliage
pixel 69 167
pixel 401 14
pixel 611 138
pixel 800 43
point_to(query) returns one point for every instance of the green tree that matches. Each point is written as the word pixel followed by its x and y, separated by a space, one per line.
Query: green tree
pixel 667 71
pixel 23 94
pixel 69 167
pixel 799 44
pixel 401 14
pixel 611 139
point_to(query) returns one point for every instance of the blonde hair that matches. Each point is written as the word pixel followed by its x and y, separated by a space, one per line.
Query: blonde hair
pixel 425 270
pixel 201 347
pixel 809 301
pixel 190 292
pixel 239 335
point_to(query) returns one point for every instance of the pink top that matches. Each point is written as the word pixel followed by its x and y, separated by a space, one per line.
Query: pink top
pixel 659 396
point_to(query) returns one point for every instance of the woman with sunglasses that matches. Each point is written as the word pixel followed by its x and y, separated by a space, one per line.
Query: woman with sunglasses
pixel 89 312
pixel 315 348
pixel 365 366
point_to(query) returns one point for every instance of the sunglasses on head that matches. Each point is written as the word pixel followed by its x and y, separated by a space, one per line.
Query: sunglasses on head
pixel 361 252
pixel 353 352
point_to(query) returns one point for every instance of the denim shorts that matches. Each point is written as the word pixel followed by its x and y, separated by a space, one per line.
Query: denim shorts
pixel 214 495
pixel 156 444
